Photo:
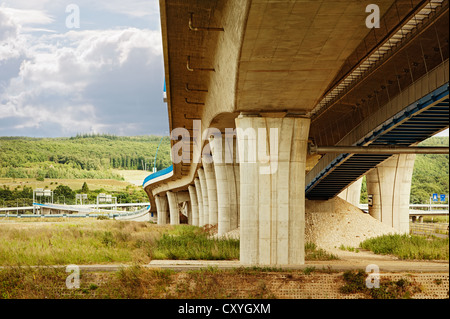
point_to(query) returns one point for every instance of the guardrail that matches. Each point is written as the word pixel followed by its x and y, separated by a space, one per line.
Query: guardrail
pixel 435 229
pixel 108 214
pixel 429 210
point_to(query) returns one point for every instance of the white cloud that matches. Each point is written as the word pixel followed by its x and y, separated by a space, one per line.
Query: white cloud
pixel 56 81
pixel 28 17
pixel 133 8
pixel 8 28
pixel 54 84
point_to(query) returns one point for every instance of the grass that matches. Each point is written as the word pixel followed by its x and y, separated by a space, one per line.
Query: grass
pixel 133 282
pixel 409 246
pixel 107 241
pixel 312 252
pixel 77 242
pixel 355 282
pixel 194 243
pixel 65 241
pixel 349 248
pixel 94 184
pixel 435 219
pixel 136 282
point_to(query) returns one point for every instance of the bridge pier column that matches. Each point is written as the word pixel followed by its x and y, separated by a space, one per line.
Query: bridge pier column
pixel 227 180
pixel 202 177
pixel 272 198
pixel 173 208
pixel 198 190
pixel 194 206
pixel 390 185
pixel 210 177
pixel 161 209
pixel 352 194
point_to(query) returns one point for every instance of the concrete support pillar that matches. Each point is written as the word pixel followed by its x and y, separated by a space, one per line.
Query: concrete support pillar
pixel 389 184
pixel 227 179
pixel 236 217
pixel 162 208
pixel 202 177
pixel 194 205
pixel 352 194
pixel 272 156
pixel 186 212
pixel 210 177
pixel 173 208
pixel 198 190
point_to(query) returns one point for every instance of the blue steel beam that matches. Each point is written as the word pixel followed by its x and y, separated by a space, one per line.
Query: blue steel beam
pixel 414 124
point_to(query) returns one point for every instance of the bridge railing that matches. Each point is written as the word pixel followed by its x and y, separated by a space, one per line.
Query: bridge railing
pixel 98 213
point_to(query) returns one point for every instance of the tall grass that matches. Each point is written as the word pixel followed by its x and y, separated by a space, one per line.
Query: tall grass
pixel 312 252
pixel 109 241
pixel 409 246
pixel 81 242
pixel 106 241
pixel 193 243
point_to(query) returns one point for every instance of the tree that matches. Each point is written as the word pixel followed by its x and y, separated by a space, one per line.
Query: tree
pixel 63 190
pixel 85 188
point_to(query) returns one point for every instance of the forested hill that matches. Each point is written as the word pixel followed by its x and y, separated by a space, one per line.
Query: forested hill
pixel 431 173
pixel 93 156
pixel 83 156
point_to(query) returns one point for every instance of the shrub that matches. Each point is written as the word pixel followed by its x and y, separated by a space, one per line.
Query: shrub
pixel 408 246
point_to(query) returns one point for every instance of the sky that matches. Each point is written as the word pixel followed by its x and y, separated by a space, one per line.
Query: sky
pixel 71 67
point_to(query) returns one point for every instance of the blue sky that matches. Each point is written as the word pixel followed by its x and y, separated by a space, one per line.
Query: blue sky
pixel 106 76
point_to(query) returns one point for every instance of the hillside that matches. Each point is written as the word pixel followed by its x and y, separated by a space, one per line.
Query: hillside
pixel 103 156
pixel 83 156
pixel 431 173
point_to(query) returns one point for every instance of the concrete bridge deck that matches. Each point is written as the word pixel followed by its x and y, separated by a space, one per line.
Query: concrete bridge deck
pixel 250 84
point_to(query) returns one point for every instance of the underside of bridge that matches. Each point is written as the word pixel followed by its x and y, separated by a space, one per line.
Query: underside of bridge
pixel 250 84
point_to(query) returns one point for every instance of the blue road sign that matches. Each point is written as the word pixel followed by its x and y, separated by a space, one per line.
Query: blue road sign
pixel 442 197
pixel 435 197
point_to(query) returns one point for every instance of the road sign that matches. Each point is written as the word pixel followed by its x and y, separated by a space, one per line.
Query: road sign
pixel 442 197
pixel 435 197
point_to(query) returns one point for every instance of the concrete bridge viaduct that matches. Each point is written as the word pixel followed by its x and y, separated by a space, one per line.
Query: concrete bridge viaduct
pixel 255 89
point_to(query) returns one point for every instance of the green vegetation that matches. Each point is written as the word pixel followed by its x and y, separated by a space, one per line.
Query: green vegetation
pixel 348 248
pixel 134 282
pixel 355 282
pixel 76 242
pixel 312 252
pixel 23 195
pixel 107 241
pixel 409 246
pixel 430 174
pixel 91 156
pixel 84 156
pixel 113 241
